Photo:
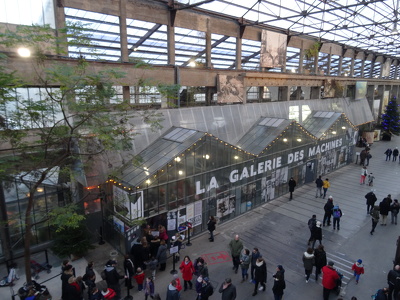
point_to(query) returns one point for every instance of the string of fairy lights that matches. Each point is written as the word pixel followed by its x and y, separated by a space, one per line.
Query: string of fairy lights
pixel 282 136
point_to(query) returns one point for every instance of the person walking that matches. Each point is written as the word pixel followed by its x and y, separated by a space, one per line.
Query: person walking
pixel 162 255
pixel 358 269
pixel 371 179
pixel 364 174
pixel 148 288
pixel 317 234
pixel 129 271
pixel 325 186
pixel 236 248
pixel 374 213
pixel 320 260
pixel 245 263
pixel 395 153
pixel 388 153
pixel 211 225
pixel 292 184
pixel 260 275
pixel 363 156
pixel 253 258
pixel 278 287
pixel 371 199
pixel 391 280
pixel 308 262
pixel 311 225
pixel 394 209
pixel 228 290
pixel 187 271
pixel 329 279
pixel 336 214
pixel 368 157
pixel 113 277
pixel 328 207
pixel 172 292
pixel 140 278
pixel 207 289
pixel 319 182
pixel 384 208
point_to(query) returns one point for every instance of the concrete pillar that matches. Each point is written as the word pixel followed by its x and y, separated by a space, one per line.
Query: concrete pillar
pixel 301 60
pixel 283 93
pixel 362 67
pixel 238 60
pixel 208 45
pixel 371 71
pixel 340 65
pixel 329 64
pixel 59 16
pixel 352 63
pixel 315 92
pixel 209 95
pixel 126 95
pixel 171 44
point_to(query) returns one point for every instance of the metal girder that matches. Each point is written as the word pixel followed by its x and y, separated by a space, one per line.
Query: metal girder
pixel 144 38
pixel 200 54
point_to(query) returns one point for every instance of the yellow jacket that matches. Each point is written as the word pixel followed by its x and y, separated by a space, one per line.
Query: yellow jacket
pixel 326 184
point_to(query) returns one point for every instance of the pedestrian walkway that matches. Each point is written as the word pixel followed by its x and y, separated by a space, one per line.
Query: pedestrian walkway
pixel 279 229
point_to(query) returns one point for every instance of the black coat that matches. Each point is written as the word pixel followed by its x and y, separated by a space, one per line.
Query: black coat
pixel 328 207
pixel 384 207
pixel 371 198
pixel 112 276
pixel 279 286
pixel 320 258
pixel 292 185
pixel 229 293
pixel 316 233
pixel 211 225
pixel 260 273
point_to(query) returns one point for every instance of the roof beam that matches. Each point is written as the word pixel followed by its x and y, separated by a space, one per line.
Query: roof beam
pixel 144 38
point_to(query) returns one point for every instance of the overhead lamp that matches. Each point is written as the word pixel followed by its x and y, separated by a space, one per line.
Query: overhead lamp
pixel 24 52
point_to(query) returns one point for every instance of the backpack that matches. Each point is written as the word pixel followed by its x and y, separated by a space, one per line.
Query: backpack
pixel 312 223
pixel 336 213
pixel 210 290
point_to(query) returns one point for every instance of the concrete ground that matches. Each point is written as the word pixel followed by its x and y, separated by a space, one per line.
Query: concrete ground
pixel 279 229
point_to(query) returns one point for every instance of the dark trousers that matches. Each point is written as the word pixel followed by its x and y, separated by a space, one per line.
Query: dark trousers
pixel 392 292
pixel 326 293
pixel 325 190
pixel 252 271
pixel 211 235
pixel 327 219
pixel 336 223
pixel 369 207
pixel 291 195
pixel 256 286
pixel 236 262
pixel 185 284
pixel 374 223
pixel 317 272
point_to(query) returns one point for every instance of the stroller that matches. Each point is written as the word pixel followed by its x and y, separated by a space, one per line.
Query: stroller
pixel 338 283
pixel 37 268
pixel 41 291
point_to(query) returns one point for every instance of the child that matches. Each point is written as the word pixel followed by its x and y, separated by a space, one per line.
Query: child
pixel 108 294
pixel 148 288
pixel 139 277
pixel 371 179
pixel 152 264
pixel 95 294
pixel 178 282
pixel 358 269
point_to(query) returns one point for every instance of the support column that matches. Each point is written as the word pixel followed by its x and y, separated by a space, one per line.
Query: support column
pixel 371 71
pixel 315 93
pixel 208 45
pixel 362 67
pixel 59 15
pixel 352 63
pixel 4 230
pixel 283 93
pixel 329 63
pixel 126 95
pixel 340 66
pixel 238 60
pixel 171 44
pixel 209 95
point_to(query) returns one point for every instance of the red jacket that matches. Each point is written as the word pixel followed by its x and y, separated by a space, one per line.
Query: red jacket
pixel 139 277
pixel 358 268
pixel 187 270
pixel 178 284
pixel 110 294
pixel 329 278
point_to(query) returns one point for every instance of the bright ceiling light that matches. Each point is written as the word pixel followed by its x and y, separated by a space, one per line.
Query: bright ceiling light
pixel 24 52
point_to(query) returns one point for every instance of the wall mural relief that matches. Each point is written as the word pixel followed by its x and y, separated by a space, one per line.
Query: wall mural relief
pixel 273 49
pixel 230 89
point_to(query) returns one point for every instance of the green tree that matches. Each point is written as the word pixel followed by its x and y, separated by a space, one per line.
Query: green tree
pixel 391 118
pixel 72 122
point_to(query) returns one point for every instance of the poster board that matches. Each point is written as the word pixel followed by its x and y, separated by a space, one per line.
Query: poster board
pixel 273 49
pixel 230 89
pixel 129 206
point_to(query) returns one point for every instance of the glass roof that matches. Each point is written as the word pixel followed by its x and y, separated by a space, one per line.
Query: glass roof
pixel 262 134
pixel 366 24
pixel 158 154
pixel 319 122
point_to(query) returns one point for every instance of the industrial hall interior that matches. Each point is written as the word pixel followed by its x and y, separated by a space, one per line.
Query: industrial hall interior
pixel 119 113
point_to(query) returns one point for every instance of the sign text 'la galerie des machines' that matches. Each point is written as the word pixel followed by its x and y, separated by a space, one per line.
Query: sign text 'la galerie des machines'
pixel 268 165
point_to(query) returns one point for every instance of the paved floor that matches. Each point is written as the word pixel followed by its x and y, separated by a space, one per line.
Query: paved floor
pixel 279 229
